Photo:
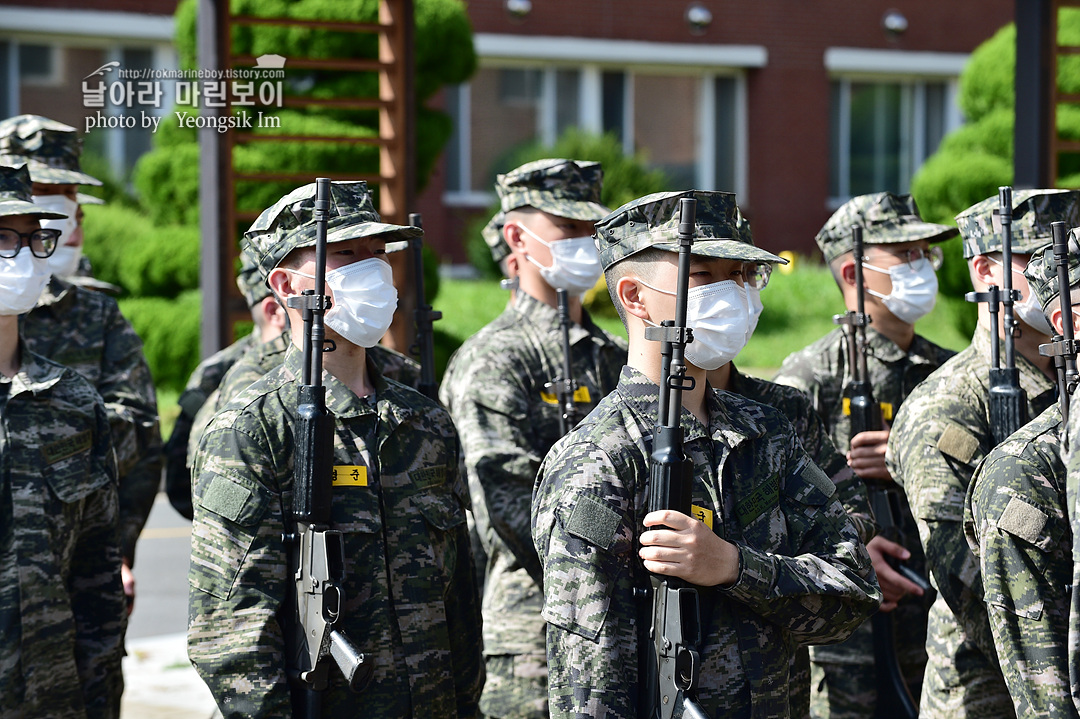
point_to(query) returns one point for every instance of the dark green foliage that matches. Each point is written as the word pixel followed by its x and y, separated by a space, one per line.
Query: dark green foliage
pixel 169 329
pixel 975 159
pixel 108 231
pixel 625 178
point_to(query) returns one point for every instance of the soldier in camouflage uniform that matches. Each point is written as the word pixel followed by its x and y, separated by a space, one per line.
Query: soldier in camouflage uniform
pixel 62 614
pixel 1017 527
pixel 775 557
pixel 201 392
pixel 84 330
pixel 495 388
pixel 1071 457
pixel 410 599
pixel 843 684
pixel 940 436
pixel 811 431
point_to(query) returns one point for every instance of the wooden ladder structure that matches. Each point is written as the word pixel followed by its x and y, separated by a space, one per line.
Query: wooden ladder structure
pixel 220 221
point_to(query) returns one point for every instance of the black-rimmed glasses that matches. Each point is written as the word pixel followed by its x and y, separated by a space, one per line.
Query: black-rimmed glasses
pixel 42 243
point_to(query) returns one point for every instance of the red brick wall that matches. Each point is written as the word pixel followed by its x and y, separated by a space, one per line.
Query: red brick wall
pixel 788 108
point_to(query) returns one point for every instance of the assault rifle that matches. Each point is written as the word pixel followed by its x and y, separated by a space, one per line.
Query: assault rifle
pixel 1008 401
pixel 894 700
pixel 565 386
pixel 424 348
pixel 669 673
pixel 1063 348
pixel 316 552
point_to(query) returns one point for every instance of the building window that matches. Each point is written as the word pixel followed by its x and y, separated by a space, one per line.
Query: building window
pixel 882 132
pixel 39 64
pixel 687 123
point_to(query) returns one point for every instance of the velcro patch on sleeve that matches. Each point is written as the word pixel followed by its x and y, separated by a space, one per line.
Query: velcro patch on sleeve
pixel 53 452
pixel 225 497
pixel 1022 520
pixel 958 443
pixel 593 521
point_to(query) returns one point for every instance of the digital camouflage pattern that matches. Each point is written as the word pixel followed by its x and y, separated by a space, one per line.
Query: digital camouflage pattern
pixel 938 439
pixel 843 681
pixel 290 222
pixel 851 491
pixel 1071 457
pixel 62 608
pixel 1018 529
pixel 410 604
pixel 804 575
pixel 652 221
pixel 564 188
pixel 1042 275
pixel 1033 211
pixel 84 330
pixel 201 385
pixel 494 387
pixel 886 218
pixel 49 148
pixel 493 236
pixel 15 194
pixel 249 280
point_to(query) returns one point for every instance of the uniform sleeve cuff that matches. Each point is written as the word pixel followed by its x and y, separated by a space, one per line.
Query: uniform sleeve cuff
pixel 757 576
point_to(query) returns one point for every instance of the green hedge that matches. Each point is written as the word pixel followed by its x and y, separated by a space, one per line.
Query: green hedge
pixel 169 328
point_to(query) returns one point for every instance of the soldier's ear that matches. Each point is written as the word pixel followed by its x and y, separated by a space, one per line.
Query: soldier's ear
pixel 280 281
pixel 983 270
pixel 628 290
pixel 847 271
pixel 512 234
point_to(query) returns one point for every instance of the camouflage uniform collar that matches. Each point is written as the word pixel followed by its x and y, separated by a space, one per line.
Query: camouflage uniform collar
pixel 642 396
pixel 36 374
pixel 54 298
pixel 390 406
pixel 884 349
pixel 547 317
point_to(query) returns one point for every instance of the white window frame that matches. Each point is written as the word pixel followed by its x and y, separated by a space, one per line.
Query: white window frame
pixel 913 69
pixel 592 58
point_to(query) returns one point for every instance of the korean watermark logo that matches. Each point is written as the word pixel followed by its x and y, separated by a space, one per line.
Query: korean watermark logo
pixel 144 89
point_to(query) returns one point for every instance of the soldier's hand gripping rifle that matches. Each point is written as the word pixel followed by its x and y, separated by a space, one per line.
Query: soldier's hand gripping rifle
pixel 1008 401
pixel 1063 347
pixel 317 553
pixel 669 671
pixel 894 700
pixel 565 387
pixel 424 316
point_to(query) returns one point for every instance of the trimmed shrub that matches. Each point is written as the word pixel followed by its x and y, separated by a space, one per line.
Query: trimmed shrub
pixel 169 329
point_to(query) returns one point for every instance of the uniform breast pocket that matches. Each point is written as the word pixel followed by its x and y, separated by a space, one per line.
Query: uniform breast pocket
pixel 544 416
pixel 74 478
pixel 444 516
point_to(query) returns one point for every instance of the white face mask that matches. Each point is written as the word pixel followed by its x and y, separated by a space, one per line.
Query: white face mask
pixel 364 300
pixel 1028 310
pixel 914 292
pixel 719 315
pixel 753 294
pixel 22 278
pixel 65 260
pixel 575 263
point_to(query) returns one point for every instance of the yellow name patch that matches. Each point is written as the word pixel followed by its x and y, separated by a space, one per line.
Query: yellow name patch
pixel 581 394
pixel 347 475
pixel 701 514
pixel 886 409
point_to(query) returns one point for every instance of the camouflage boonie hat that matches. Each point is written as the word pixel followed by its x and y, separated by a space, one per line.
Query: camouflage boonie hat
pixel 49 148
pixel 15 195
pixel 290 222
pixel 886 218
pixel 84 199
pixel 249 280
pixel 653 221
pixel 493 236
pixel 1041 272
pixel 564 188
pixel 1033 211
